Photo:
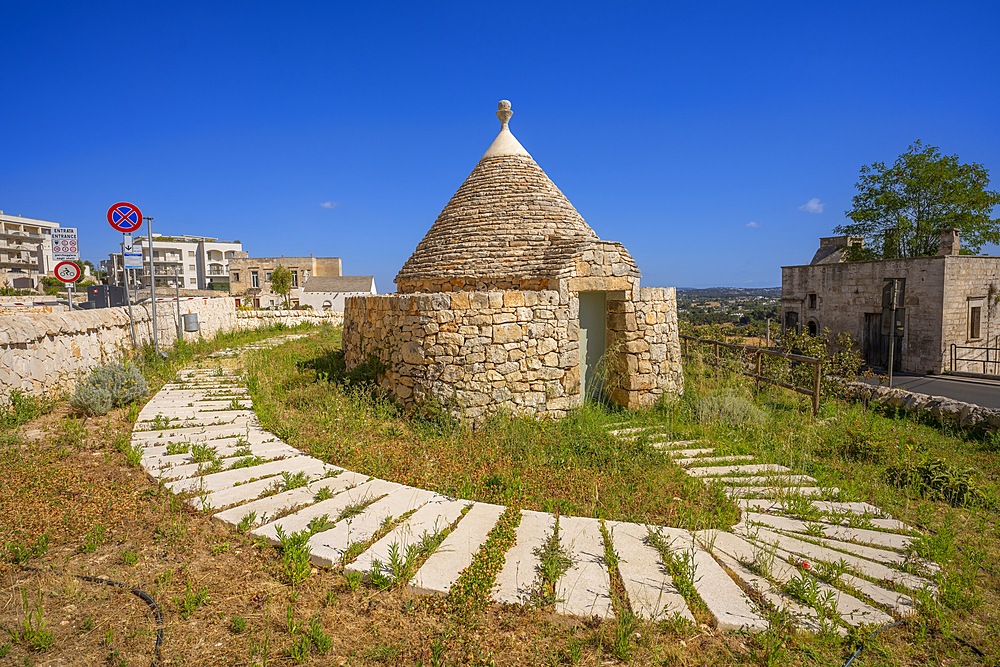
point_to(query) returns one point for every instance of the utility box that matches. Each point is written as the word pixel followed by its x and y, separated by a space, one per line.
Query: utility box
pixel 117 296
pixel 190 322
pixel 98 296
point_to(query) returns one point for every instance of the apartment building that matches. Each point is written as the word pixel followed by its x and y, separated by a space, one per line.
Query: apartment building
pixel 187 261
pixel 25 250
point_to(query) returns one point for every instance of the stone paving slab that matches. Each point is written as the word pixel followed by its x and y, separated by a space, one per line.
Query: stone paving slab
pixel 176 466
pixel 675 444
pixel 329 546
pixel 833 531
pixel 778 491
pixel 513 583
pixel 437 515
pixel 860 565
pixel 688 453
pixel 281 503
pixel 747 469
pixel 440 572
pixel 851 609
pixel 585 588
pixel 366 492
pixel 250 491
pixel 780 480
pixel 727 603
pixel 712 460
pixel 227 478
pixel 650 589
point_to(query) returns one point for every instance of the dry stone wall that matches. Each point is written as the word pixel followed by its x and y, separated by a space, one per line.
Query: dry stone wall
pixel 44 351
pixel 644 342
pixel 474 352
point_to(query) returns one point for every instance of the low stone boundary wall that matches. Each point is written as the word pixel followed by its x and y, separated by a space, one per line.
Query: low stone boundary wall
pixel 966 415
pixel 48 350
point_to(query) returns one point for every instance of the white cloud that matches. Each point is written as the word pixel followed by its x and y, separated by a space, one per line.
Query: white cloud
pixel 329 204
pixel 753 224
pixel 814 205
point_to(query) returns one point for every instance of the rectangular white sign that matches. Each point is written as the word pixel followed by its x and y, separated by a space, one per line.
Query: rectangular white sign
pixel 133 260
pixel 64 244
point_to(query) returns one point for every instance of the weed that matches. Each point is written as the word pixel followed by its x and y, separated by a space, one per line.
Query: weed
pixel 220 548
pixel 21 408
pixel 295 555
pixel 622 642
pixel 72 433
pixel 319 524
pixel 234 404
pixel 247 462
pixel 34 629
pixel 554 562
pixel 353 579
pixel 175 448
pixel 246 524
pixel 202 452
pixel 19 554
pixel 130 557
pixel 938 479
pixel 323 493
pixel 94 538
pixel 237 625
pixel 191 601
pixel 317 635
pixel 107 387
pixel 471 592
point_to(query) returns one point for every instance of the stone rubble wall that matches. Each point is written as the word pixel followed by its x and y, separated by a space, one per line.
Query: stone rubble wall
pixel 644 342
pixel 48 350
pixel 965 415
pixel 478 353
pixel 474 352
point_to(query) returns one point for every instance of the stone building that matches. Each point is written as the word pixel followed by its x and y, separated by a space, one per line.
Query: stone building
pixel 250 277
pixel 512 302
pixel 946 315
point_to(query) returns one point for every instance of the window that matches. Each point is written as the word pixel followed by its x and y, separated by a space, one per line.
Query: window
pixel 190 253
pixel 813 328
pixel 192 281
pixel 295 278
pixel 792 321
pixel 236 276
pixel 254 279
pixel 192 267
pixel 267 277
pixel 812 301
pixel 327 305
pixel 976 318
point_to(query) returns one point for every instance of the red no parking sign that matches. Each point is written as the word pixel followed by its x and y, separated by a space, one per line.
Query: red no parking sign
pixel 125 217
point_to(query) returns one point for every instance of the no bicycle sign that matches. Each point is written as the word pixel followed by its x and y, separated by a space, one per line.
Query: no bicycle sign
pixel 125 217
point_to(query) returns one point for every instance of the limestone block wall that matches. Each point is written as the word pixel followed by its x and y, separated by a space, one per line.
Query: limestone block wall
pixel 474 352
pixel 845 292
pixel 644 342
pixel 47 350
pixel 971 280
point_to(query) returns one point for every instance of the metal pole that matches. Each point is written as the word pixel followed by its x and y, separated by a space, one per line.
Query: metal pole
pixel 69 290
pixel 128 295
pixel 177 300
pixel 152 284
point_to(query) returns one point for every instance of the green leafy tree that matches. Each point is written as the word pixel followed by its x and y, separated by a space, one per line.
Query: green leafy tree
pixel 901 209
pixel 281 282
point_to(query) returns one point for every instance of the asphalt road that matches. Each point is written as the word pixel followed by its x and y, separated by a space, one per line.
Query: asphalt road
pixel 968 390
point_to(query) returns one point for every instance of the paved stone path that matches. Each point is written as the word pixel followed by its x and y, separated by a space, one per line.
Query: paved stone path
pixel 797 548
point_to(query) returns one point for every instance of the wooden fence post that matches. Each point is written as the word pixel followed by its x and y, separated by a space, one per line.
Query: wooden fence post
pixel 817 375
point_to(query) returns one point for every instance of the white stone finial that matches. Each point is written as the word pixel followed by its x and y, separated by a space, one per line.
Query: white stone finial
pixel 503 112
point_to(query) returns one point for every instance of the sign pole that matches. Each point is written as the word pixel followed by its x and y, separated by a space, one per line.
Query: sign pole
pixel 177 300
pixel 152 284
pixel 892 329
pixel 69 288
pixel 128 298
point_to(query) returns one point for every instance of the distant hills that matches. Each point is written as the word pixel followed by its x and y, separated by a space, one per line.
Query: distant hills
pixel 727 292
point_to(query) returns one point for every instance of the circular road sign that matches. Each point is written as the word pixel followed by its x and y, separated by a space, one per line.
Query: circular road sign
pixel 68 272
pixel 125 217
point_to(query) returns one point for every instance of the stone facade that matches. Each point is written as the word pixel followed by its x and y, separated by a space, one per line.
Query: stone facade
pixel 939 297
pixel 44 351
pixel 489 312
pixel 250 277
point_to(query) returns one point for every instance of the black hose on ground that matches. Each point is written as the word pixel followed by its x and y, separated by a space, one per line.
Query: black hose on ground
pixel 150 602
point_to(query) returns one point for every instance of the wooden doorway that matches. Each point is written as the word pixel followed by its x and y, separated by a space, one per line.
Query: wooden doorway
pixel 875 345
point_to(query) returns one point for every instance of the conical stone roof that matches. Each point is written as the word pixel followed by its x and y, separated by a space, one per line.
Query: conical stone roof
pixel 508 221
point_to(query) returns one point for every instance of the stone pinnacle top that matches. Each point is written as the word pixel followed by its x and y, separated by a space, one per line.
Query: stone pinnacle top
pixel 505 143
pixel 504 112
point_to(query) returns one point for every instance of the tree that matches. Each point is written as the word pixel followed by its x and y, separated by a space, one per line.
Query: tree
pixel 281 282
pixel 901 209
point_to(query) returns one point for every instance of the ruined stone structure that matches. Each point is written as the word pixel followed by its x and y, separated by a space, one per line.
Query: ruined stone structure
pixel 511 301
pixel 947 300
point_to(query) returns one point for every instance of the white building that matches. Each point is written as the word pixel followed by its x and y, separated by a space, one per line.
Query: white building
pixel 328 293
pixel 197 262
pixel 25 250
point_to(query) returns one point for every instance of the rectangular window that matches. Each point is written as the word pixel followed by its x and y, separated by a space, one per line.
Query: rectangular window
pixel 295 278
pixel 267 277
pixel 192 267
pixel 812 301
pixel 254 279
pixel 236 277
pixel 976 318
pixel 192 281
pixel 190 253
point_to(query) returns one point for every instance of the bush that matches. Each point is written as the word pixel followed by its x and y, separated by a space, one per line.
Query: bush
pixel 729 408
pixel 109 386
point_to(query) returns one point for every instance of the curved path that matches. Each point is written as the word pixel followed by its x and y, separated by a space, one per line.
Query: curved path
pixel 829 564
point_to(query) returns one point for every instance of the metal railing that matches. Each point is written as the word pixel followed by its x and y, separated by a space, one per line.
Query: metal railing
pixel 753 365
pixel 989 357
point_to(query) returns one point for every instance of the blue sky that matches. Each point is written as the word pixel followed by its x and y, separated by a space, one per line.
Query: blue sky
pixel 716 140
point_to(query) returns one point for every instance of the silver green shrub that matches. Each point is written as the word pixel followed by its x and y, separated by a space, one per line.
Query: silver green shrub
pixel 108 386
pixel 728 407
